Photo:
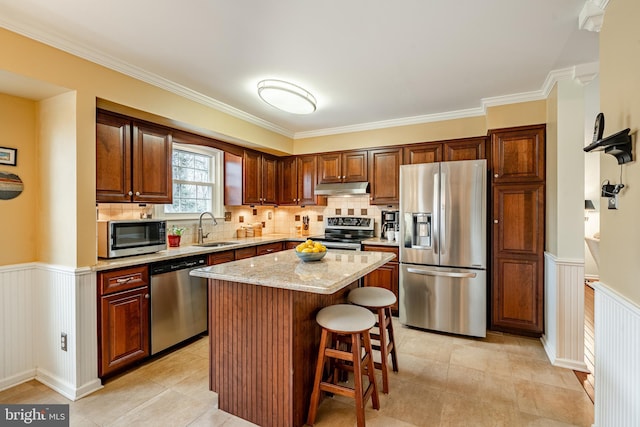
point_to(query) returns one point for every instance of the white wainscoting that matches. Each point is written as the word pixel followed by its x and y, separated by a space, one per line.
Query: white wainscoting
pixel 563 339
pixel 617 354
pixel 17 342
pixel 39 302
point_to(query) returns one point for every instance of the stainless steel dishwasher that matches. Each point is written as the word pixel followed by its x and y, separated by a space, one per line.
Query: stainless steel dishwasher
pixel 178 302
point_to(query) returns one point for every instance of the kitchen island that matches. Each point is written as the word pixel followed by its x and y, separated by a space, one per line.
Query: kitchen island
pixel 262 330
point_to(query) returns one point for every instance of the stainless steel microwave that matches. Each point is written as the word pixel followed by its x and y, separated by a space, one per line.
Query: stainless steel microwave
pixel 132 237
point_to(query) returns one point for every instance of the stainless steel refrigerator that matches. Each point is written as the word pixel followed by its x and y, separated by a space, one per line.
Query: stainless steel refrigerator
pixel 443 246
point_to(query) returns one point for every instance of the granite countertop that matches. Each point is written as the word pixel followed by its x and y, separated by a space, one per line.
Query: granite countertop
pixel 285 270
pixel 188 250
pixel 381 242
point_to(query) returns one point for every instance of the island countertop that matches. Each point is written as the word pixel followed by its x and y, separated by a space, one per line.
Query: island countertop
pixel 284 270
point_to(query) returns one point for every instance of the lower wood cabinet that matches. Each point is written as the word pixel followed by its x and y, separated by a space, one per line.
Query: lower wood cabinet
pixel 123 318
pixel 221 257
pixel 386 276
pixel 269 248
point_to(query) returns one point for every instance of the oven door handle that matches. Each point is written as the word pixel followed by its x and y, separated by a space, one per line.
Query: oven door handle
pixel 441 273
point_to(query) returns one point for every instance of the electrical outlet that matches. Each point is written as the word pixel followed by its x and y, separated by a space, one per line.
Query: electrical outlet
pixel 613 202
pixel 63 341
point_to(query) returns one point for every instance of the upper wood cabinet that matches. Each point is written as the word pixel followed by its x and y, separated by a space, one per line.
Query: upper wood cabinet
pixel 384 173
pixel 259 179
pixel 297 180
pixel 133 161
pixel 422 153
pixel 464 149
pixel 518 154
pixel 344 166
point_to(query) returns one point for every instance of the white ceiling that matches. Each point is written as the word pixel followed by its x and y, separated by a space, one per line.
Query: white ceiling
pixel 366 61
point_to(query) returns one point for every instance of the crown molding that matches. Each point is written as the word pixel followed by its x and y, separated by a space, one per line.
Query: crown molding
pixel 406 121
pixel 74 48
pixel 592 15
pixel 84 52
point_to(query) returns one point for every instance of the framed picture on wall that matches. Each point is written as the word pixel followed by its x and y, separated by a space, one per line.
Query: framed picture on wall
pixel 8 156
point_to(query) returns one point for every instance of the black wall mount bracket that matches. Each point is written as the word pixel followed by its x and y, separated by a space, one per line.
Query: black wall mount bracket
pixel 618 144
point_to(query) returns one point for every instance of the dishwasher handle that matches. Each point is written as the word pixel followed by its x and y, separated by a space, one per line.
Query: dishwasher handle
pixel 178 264
pixel 442 273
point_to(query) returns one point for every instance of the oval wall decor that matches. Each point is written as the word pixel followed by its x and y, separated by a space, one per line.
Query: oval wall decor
pixel 10 186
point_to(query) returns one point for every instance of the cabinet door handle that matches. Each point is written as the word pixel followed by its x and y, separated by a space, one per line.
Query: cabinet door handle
pixel 269 250
pixel 147 296
pixel 124 280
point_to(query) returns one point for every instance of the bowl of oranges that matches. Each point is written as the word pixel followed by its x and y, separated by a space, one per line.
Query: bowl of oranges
pixel 311 251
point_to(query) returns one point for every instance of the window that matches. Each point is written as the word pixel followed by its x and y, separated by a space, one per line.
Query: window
pixel 197 182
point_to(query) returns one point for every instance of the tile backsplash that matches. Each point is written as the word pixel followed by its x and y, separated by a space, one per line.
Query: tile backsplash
pixel 283 219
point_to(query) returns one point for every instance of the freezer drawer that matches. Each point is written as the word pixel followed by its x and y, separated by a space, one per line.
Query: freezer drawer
pixel 444 299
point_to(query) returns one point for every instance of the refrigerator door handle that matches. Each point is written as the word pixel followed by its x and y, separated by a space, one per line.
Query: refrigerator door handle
pixel 441 273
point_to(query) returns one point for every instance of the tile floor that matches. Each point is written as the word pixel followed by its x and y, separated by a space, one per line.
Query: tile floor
pixel 444 380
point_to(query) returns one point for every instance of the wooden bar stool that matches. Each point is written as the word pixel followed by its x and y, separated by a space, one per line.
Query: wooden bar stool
pixel 379 300
pixel 355 323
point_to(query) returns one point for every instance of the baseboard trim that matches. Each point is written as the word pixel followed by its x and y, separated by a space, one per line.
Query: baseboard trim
pixel 17 379
pixel 66 389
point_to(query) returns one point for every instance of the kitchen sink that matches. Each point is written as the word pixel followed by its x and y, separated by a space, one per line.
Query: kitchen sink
pixel 215 244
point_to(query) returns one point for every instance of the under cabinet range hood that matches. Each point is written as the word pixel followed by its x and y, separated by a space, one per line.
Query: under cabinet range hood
pixel 342 189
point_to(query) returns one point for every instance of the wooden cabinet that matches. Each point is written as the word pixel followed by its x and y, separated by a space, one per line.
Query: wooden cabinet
pixel 517 230
pixel 269 248
pixel 123 318
pixel 344 166
pixel 384 173
pixel 297 177
pixel 133 161
pixel 291 245
pixel 386 276
pixel 216 258
pixel 464 149
pixel 259 179
pixel 422 153
pixel 518 154
pixel 247 252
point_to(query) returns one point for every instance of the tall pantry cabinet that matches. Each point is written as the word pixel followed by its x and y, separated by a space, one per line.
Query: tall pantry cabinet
pixel 517 177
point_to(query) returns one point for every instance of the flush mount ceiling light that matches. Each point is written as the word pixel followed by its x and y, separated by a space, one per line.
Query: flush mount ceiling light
pixel 286 96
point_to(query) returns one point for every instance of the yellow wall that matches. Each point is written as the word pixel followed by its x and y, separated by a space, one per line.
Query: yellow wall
pixel 436 131
pixel 620 102
pixel 18 241
pixel 520 114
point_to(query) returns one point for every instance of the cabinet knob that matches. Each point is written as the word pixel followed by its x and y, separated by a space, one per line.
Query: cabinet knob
pixel 131 193
pixel 495 221
pixel 137 193
pixel 147 296
pixel 496 176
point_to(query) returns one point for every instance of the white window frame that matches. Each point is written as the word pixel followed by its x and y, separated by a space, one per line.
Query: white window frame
pixel 217 193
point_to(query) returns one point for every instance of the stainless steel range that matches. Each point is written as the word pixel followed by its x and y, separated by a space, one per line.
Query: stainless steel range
pixel 345 232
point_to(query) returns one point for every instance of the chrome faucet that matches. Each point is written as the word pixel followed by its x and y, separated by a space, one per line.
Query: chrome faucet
pixel 201 235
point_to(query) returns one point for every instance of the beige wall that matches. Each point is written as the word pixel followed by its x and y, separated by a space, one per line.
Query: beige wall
pixel 620 102
pixel 58 196
pixel 520 114
pixel 551 162
pixel 18 121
